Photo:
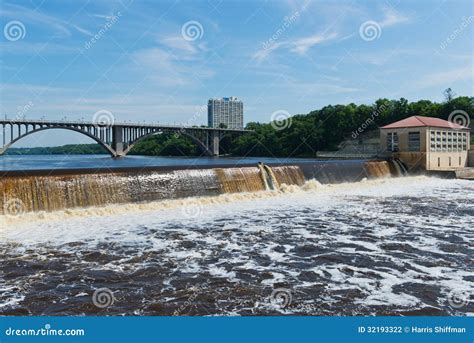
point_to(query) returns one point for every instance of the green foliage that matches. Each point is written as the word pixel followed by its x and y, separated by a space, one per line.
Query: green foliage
pixel 77 149
pixel 166 145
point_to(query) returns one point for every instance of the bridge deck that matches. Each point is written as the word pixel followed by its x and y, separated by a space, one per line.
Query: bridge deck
pixel 122 124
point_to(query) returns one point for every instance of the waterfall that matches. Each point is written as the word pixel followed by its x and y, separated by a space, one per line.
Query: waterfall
pixel 401 165
pixel 264 176
pixel 64 190
pixel 289 175
pixel 378 169
pixel 57 192
pixel 270 181
pixel 245 179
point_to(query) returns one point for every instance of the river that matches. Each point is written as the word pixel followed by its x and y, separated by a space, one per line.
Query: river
pixel 50 162
pixel 391 246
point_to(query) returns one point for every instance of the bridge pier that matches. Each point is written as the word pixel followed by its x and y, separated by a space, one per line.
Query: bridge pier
pixel 117 141
pixel 214 146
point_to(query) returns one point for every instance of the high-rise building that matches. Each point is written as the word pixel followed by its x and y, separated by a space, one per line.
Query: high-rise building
pixel 228 112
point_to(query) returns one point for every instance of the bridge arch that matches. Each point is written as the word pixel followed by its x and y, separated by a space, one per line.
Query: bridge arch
pixel 13 141
pixel 196 140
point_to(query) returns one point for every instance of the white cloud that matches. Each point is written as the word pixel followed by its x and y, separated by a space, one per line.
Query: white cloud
pixel 392 17
pixel 302 45
pixel 28 15
pixel 446 78
pixel 170 68
pixel 263 53
pixel 178 43
pixel 299 46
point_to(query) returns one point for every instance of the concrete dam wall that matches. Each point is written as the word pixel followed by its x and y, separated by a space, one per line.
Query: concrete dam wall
pixel 65 189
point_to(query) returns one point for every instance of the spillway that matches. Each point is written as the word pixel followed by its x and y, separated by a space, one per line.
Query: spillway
pixel 61 190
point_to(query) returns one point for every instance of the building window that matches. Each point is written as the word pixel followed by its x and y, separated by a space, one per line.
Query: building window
pixel 392 141
pixel 435 141
pixel 450 161
pixel 413 141
pixel 459 160
pixel 439 162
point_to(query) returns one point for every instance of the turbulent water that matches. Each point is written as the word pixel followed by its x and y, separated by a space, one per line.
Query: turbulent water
pixel 400 246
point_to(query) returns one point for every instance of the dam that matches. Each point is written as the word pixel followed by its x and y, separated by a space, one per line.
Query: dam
pixel 340 237
pixel 52 190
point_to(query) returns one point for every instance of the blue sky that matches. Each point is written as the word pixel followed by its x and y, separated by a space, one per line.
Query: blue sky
pixel 161 60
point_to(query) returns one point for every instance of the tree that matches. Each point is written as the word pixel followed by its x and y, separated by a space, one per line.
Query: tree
pixel 448 94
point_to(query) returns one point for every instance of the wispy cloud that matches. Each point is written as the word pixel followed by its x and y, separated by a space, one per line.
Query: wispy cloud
pixel 302 45
pixel 392 17
pixel 448 77
pixel 180 44
pixel 174 62
pixel 61 27
pixel 299 45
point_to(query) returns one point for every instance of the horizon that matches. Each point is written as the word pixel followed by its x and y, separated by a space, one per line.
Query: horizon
pixel 162 62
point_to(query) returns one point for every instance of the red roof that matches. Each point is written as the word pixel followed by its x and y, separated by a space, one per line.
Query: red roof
pixel 417 121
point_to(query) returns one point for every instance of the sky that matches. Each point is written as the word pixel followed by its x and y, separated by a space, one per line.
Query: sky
pixel 160 61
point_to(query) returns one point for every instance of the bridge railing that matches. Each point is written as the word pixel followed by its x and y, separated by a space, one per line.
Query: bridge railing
pixel 7 120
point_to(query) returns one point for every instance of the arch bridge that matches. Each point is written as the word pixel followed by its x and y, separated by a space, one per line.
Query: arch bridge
pixel 118 138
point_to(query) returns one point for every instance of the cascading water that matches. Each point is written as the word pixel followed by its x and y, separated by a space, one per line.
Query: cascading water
pixel 401 166
pixel 58 192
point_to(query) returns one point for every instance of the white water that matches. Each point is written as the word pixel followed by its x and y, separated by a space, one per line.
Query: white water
pixel 413 217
